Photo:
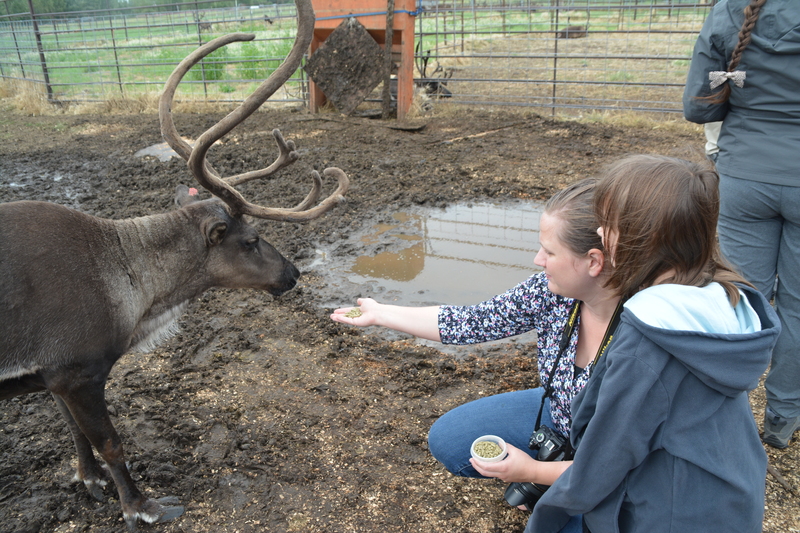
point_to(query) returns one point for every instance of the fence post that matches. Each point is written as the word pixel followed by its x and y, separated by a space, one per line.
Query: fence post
pixel 116 56
pixel 200 43
pixel 41 52
pixel 386 104
pixel 16 45
pixel 55 33
pixel 555 58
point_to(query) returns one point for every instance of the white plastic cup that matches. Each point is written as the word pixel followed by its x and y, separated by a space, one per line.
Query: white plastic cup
pixel 490 438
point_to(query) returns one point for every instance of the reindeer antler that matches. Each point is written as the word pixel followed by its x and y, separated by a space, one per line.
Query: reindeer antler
pixel 195 156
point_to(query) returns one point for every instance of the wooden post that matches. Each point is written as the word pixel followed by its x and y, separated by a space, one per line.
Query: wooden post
pixel 388 62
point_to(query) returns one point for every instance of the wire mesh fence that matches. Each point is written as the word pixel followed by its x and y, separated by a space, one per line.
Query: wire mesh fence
pixel 571 56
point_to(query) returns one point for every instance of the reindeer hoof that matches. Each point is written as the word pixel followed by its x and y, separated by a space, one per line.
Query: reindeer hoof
pixel 94 484
pixel 171 507
pixel 96 490
pixel 156 512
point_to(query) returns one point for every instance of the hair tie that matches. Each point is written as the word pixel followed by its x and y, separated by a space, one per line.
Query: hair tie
pixel 718 77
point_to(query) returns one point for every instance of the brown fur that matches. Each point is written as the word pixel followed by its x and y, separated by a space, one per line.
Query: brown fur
pixel 77 292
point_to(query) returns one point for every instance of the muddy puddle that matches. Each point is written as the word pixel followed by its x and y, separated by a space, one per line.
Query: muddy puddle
pixel 162 151
pixel 463 254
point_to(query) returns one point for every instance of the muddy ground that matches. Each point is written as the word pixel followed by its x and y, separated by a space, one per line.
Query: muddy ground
pixel 262 414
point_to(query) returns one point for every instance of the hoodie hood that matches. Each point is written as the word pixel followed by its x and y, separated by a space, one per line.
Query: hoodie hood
pixel 721 345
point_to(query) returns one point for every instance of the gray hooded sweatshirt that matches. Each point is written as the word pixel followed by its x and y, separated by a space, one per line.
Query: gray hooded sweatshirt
pixel 664 432
pixel 760 135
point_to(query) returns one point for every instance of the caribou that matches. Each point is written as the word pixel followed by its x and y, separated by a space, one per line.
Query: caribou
pixel 77 292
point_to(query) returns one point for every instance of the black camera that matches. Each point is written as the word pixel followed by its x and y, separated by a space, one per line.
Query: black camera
pixel 552 447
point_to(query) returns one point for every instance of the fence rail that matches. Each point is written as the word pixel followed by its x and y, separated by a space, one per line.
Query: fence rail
pixel 572 56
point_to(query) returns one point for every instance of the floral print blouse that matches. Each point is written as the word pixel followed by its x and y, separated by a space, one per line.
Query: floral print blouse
pixel 526 307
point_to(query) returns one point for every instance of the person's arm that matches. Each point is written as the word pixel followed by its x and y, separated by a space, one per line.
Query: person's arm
pixel 421 322
pixel 512 313
pixel 708 56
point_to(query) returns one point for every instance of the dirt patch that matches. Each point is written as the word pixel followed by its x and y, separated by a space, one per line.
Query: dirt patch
pixel 262 414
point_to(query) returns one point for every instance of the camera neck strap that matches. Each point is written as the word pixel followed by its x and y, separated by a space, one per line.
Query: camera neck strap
pixel 566 335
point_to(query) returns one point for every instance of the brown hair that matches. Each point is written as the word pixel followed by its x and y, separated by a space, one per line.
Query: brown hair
pixel 751 13
pixel 573 206
pixel 664 213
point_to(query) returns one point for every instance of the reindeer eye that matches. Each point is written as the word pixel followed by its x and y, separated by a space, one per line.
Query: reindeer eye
pixel 251 243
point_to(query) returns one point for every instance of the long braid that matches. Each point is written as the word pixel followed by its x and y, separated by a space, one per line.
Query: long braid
pixel 751 13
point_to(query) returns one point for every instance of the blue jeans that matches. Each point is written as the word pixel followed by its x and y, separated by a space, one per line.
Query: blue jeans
pixel 759 232
pixel 511 416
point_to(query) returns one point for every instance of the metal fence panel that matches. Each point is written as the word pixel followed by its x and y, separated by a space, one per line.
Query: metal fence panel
pixel 125 53
pixel 568 55
pixel 618 55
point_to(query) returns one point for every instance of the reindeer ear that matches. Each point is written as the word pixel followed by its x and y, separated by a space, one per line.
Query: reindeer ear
pixel 185 195
pixel 214 231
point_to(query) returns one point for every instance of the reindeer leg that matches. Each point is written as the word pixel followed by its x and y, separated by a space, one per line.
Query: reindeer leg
pixel 86 403
pixel 89 470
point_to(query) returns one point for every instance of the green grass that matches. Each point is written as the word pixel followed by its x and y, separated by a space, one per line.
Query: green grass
pixel 621 76
pixel 211 68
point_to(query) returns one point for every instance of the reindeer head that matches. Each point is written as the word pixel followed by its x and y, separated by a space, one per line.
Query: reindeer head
pixel 434 85
pixel 225 231
pixel 236 257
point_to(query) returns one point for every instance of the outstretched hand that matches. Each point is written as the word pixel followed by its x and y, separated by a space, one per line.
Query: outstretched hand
pixel 368 317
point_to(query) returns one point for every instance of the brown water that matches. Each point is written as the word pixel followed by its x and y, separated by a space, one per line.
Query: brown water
pixel 463 254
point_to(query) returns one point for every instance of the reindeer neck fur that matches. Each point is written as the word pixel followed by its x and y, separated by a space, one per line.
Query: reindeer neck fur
pixel 153 246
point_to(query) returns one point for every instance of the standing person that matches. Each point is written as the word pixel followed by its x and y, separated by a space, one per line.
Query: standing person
pixel 572 283
pixel 745 72
pixel 664 434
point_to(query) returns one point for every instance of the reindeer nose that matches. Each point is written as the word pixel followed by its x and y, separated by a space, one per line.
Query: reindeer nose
pixel 293 274
pixel 288 280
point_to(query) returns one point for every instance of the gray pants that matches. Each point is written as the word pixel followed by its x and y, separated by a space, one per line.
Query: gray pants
pixel 759 232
